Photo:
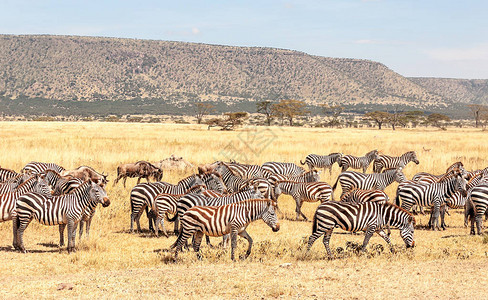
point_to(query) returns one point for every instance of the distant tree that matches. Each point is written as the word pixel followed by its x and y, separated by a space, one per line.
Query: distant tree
pixel 230 122
pixel 478 111
pixel 438 120
pixel 414 117
pixel 379 117
pixel 332 111
pixel 202 109
pixel 265 108
pixel 289 110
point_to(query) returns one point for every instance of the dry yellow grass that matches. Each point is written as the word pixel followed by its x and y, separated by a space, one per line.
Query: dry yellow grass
pixel 114 263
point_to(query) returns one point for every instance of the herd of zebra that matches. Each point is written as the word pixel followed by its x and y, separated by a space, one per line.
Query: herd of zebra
pixel 223 198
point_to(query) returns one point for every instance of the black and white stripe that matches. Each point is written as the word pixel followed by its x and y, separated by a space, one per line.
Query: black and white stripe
pixel 67 209
pixel 309 176
pixel 355 162
pixel 430 178
pixel 232 182
pixel 358 196
pixel 314 161
pixel 7 174
pixel 412 193
pixel 11 184
pixel 375 181
pixel 478 205
pixel 35 167
pixel 368 216
pixel 304 192
pixel 287 169
pixel 230 219
pixel 247 171
pixel 388 162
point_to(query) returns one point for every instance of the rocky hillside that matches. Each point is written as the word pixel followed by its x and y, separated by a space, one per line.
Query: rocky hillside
pixel 89 68
pixel 457 90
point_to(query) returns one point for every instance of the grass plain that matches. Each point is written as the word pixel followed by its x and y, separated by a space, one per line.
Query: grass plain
pixel 116 264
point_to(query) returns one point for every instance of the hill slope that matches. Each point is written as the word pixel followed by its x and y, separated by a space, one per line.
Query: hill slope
pixel 457 90
pixel 88 68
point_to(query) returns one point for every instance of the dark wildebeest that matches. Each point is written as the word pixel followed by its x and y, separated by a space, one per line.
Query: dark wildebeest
pixel 87 173
pixel 140 169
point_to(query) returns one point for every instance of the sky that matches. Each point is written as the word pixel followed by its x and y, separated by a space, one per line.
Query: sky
pixel 414 38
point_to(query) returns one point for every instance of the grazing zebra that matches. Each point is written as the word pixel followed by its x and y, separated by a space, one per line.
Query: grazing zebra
pixel 478 202
pixel 355 162
pixel 67 209
pixel 38 167
pixel 412 193
pixel 375 181
pixel 322 161
pixel 300 191
pixel 358 196
pixel 37 184
pixel 230 219
pixel 387 162
pixel 429 178
pixel 309 176
pixel 7 174
pixel 368 216
pixel 247 171
pixel 287 169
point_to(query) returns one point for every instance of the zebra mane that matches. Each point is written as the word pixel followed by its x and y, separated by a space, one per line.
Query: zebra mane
pixel 335 153
pixel 9 170
pixel 228 168
pixel 475 175
pixel 389 169
pixel 449 175
pixel 455 165
pixel 57 174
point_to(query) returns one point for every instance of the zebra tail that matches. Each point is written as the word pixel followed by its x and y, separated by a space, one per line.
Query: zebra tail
pixel 174 218
pixel 397 199
pixel 335 184
pixel 314 224
pixel 302 162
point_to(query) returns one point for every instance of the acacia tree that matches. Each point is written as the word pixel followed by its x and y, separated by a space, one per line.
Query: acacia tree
pixel 332 111
pixel 289 110
pixel 265 108
pixel 230 122
pixel 478 111
pixel 438 120
pixel 379 117
pixel 202 109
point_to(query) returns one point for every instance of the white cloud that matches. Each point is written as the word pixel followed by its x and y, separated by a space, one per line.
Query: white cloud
pixel 195 31
pixel 478 52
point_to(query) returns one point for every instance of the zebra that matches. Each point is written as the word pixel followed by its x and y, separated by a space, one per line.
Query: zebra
pixel 355 162
pixel 286 169
pixel 61 184
pixel 413 193
pixel 457 200
pixel 429 178
pixel 230 219
pixel 368 216
pixel 143 195
pixel 322 161
pixel 477 206
pixel 300 191
pixel 37 184
pixel 7 174
pixel 232 182
pixel 309 176
pixel 67 209
pixel 358 196
pixel 11 184
pixel 35 167
pixel 387 162
pixel 375 181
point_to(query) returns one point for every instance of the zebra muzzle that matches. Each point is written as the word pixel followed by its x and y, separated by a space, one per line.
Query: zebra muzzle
pixel 411 246
pixel 106 202
pixel 276 228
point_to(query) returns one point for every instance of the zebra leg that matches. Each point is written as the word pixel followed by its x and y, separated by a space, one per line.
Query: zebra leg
pixel 138 180
pixel 298 210
pixel 471 219
pixel 443 212
pixel 479 223
pixel 80 232
pixel 20 233
pixel 207 239
pixel 182 238
pixel 177 223
pixel 233 243
pixel 245 235
pixel 61 234
pixel 151 218
pixel 326 241
pixel 386 237
pixel 125 179
pixel 134 217
pixel 369 233
pixel 197 241
pixel 160 220
pixel 87 226
pixel 225 241
pixel 330 170
pixel 15 242
pixel 71 231
pixel 436 212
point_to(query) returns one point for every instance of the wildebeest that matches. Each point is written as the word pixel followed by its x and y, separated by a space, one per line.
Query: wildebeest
pixel 140 169
pixel 87 173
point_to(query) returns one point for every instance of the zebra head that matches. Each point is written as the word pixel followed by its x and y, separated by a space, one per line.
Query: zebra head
pixel 216 183
pixel 98 194
pixel 461 184
pixel 316 175
pixel 413 157
pixel 406 231
pixel 256 193
pixel 269 215
pixel 399 176
pixel 372 154
pixel 43 185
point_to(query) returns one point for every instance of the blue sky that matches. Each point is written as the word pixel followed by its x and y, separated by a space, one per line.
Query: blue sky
pixel 414 38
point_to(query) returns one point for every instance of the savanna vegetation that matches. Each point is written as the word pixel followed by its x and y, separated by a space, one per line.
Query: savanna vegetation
pixel 116 264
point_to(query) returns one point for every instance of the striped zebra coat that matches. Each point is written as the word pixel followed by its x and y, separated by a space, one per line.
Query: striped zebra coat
pixel 37 184
pixel 309 176
pixel 287 169
pixel 35 167
pixel 304 192
pixel 230 219
pixel 61 184
pixel 368 216
pixel 358 196
pixel 67 209
pixel 7 174
pixel 355 162
pixel 375 181
pixel 314 161
pixel 388 162
pixel 232 182
pixel 424 177
pixel 11 184
pixel 247 171
pixel 413 193
pixel 478 205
